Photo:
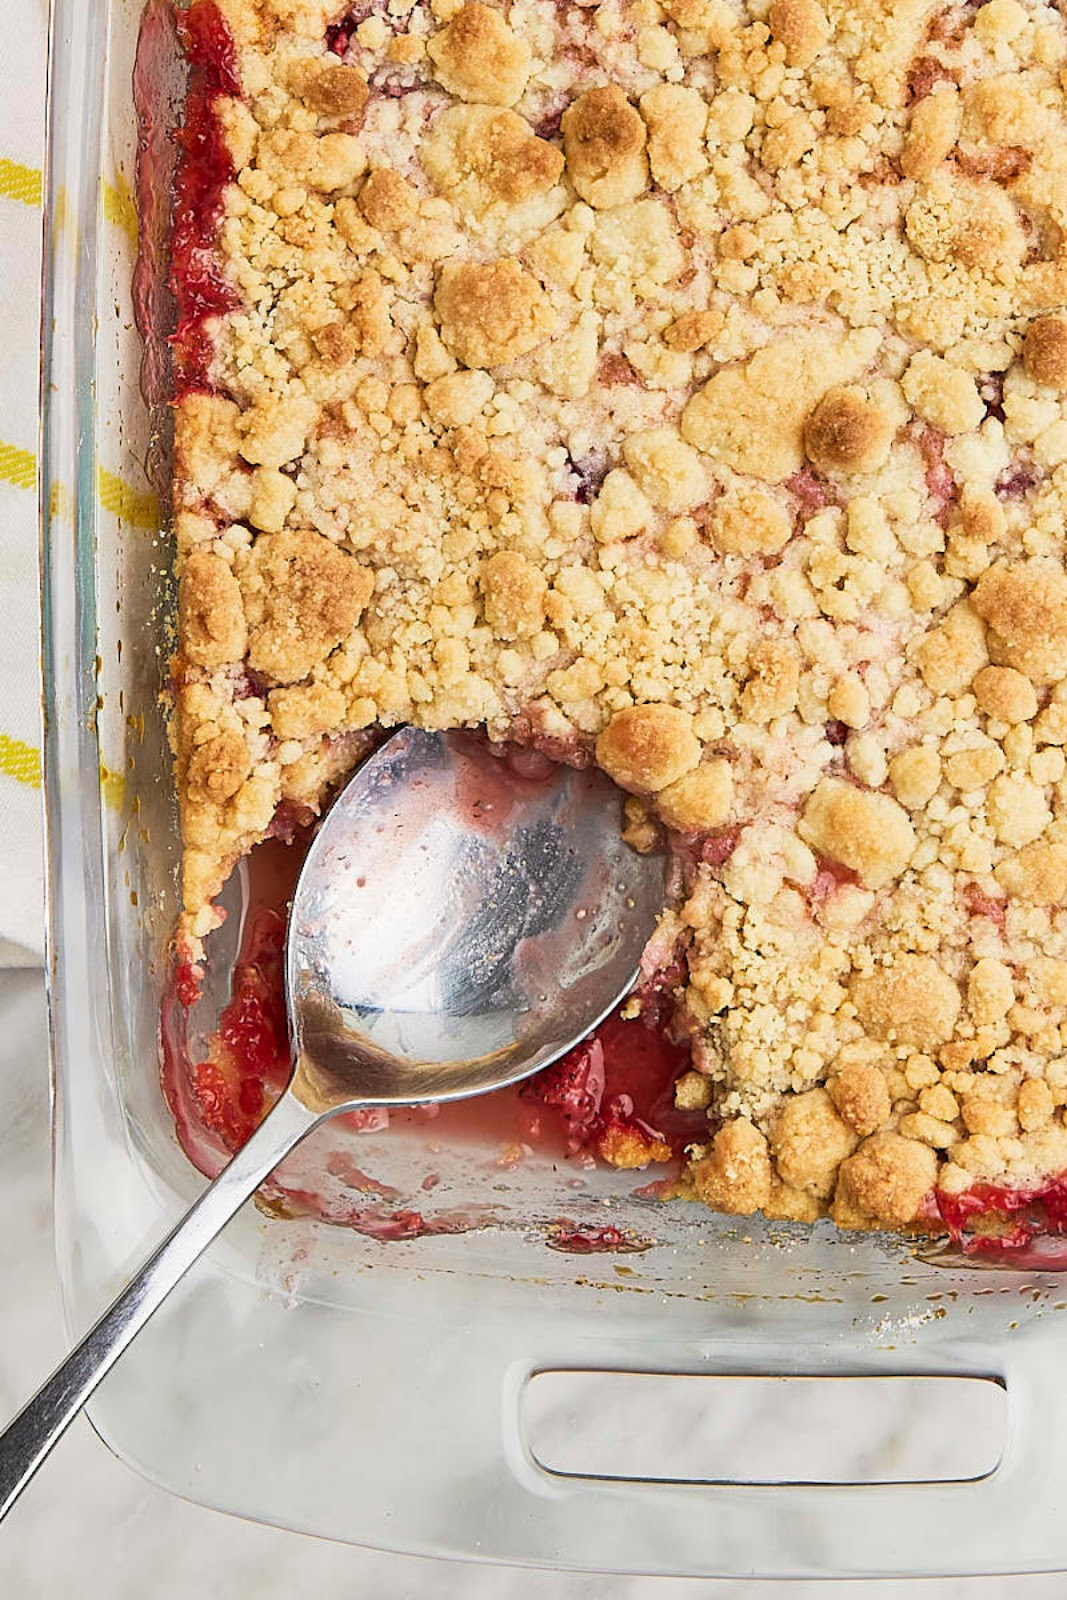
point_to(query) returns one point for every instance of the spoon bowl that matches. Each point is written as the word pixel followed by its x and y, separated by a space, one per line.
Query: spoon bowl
pixel 459 922
pixel 462 919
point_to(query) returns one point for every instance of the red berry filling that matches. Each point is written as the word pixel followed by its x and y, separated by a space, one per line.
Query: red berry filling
pixel 980 904
pixel 940 482
pixel 813 492
pixel 612 1095
pixel 1015 482
pixel 205 167
pixel 990 1218
pixel 247 1066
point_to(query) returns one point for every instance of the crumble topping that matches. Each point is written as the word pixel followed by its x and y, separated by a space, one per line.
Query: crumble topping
pixel 682 382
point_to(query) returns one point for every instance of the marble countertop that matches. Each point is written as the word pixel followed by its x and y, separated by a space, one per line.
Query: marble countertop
pixel 87 1525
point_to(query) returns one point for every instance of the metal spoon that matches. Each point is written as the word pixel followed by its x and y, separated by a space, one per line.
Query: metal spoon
pixel 455 927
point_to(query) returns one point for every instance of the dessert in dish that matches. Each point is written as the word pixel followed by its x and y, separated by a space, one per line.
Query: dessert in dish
pixel 679 385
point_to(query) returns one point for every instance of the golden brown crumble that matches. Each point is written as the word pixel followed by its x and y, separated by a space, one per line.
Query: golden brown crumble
pixel 1045 351
pixel 604 144
pixel 684 380
pixel 490 313
pixel 476 56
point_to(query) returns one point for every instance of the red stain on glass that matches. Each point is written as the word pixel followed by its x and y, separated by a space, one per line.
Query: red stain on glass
pixel 577 1241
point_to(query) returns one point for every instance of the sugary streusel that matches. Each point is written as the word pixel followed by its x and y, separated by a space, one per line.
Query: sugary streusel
pixel 684 380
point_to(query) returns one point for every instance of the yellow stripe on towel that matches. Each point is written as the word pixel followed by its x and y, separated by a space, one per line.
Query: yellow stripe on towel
pixel 20 761
pixel 20 183
pixel 119 207
pixel 18 466
pixel 138 508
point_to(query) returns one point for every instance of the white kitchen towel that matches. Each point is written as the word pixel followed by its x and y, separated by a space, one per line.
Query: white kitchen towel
pixel 22 77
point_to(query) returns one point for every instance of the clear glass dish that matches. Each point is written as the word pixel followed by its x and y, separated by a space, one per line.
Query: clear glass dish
pixel 313 1377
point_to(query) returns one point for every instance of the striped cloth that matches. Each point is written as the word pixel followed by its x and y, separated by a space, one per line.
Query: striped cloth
pixel 22 59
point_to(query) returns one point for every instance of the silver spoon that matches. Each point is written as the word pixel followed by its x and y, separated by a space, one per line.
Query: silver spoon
pixel 455 927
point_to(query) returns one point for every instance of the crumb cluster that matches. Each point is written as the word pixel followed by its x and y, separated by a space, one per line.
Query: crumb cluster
pixel 686 381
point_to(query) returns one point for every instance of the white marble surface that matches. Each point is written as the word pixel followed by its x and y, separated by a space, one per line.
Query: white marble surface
pixel 88 1526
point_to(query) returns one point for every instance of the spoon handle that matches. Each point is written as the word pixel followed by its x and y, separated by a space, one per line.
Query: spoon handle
pixel 30 1436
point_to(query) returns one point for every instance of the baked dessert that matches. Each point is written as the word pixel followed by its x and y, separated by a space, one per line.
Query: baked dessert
pixel 678 384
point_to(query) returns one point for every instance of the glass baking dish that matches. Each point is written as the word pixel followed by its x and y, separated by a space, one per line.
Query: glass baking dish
pixel 372 1391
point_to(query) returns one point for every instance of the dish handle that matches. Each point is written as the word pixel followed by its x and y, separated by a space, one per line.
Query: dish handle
pixel 1009 1519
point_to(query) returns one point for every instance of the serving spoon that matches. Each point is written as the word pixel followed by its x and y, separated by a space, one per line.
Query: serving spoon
pixel 461 920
